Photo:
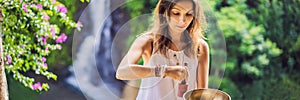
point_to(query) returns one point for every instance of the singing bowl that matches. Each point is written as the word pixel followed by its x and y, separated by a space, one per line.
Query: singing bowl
pixel 206 94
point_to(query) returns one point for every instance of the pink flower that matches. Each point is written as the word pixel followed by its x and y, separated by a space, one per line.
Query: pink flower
pixel 53 1
pixel 39 6
pixel 36 86
pixel 44 59
pixel 46 50
pixel 33 5
pixel 79 24
pixel 59 47
pixel 24 5
pixel 44 40
pixel 46 36
pixel 8 59
pixel 52 30
pixel 62 38
pixel 62 9
pixel 45 65
pixel 24 8
pixel 45 16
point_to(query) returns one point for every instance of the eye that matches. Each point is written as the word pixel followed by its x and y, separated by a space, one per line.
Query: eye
pixel 189 14
pixel 175 13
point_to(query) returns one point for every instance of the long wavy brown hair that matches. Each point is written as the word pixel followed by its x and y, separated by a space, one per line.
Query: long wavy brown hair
pixel 192 35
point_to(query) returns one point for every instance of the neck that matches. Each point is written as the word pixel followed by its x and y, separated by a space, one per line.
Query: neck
pixel 177 43
pixel 176 36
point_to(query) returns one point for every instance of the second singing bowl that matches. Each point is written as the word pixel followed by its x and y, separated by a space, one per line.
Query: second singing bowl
pixel 206 94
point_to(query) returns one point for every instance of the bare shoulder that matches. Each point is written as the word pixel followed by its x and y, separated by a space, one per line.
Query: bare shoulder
pixel 144 40
pixel 202 42
pixel 203 46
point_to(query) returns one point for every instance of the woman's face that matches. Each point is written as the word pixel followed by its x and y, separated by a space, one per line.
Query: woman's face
pixel 181 15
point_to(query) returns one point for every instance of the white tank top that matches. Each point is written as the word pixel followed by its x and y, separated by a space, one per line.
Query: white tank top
pixel 156 88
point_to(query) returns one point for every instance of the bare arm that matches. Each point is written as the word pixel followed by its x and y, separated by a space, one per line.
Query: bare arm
pixel 203 65
pixel 128 68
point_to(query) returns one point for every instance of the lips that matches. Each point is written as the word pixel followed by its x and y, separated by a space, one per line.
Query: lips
pixel 181 26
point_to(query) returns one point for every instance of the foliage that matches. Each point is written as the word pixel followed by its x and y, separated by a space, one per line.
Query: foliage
pixel 59 60
pixel 140 17
pixel 17 91
pixel 285 89
pixel 136 7
pixel 85 0
pixel 231 88
pixel 280 18
pixel 246 41
pixel 261 39
pixel 30 35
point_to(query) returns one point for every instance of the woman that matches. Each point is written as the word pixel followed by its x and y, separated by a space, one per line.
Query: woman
pixel 173 51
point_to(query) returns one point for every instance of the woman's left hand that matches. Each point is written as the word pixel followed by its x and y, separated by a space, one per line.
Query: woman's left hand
pixel 177 72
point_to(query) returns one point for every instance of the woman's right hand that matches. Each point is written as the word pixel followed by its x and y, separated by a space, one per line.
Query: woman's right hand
pixel 177 72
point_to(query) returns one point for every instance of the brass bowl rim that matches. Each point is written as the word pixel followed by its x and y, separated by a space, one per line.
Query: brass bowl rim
pixel 217 90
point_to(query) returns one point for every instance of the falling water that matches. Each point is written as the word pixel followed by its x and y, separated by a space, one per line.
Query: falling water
pixel 93 72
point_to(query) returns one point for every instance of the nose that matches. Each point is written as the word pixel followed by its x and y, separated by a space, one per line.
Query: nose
pixel 182 19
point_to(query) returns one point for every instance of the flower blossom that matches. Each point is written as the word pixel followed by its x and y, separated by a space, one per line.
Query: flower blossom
pixel 44 59
pixel 45 16
pixel 62 9
pixel 36 86
pixel 44 39
pixel 62 38
pixel 52 30
pixel 59 47
pixel 78 24
pixel 47 50
pixel 53 1
pixel 24 8
pixel 8 59
pixel 45 65
pixel 39 6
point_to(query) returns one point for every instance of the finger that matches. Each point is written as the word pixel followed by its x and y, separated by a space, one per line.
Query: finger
pixel 179 75
pixel 179 78
pixel 183 73
pixel 186 73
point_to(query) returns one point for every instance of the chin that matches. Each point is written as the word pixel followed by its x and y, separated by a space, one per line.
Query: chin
pixel 181 30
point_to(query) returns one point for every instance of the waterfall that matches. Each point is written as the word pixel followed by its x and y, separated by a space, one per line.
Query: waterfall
pixel 92 70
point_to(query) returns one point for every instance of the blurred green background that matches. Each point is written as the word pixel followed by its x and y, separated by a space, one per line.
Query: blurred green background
pixel 262 44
